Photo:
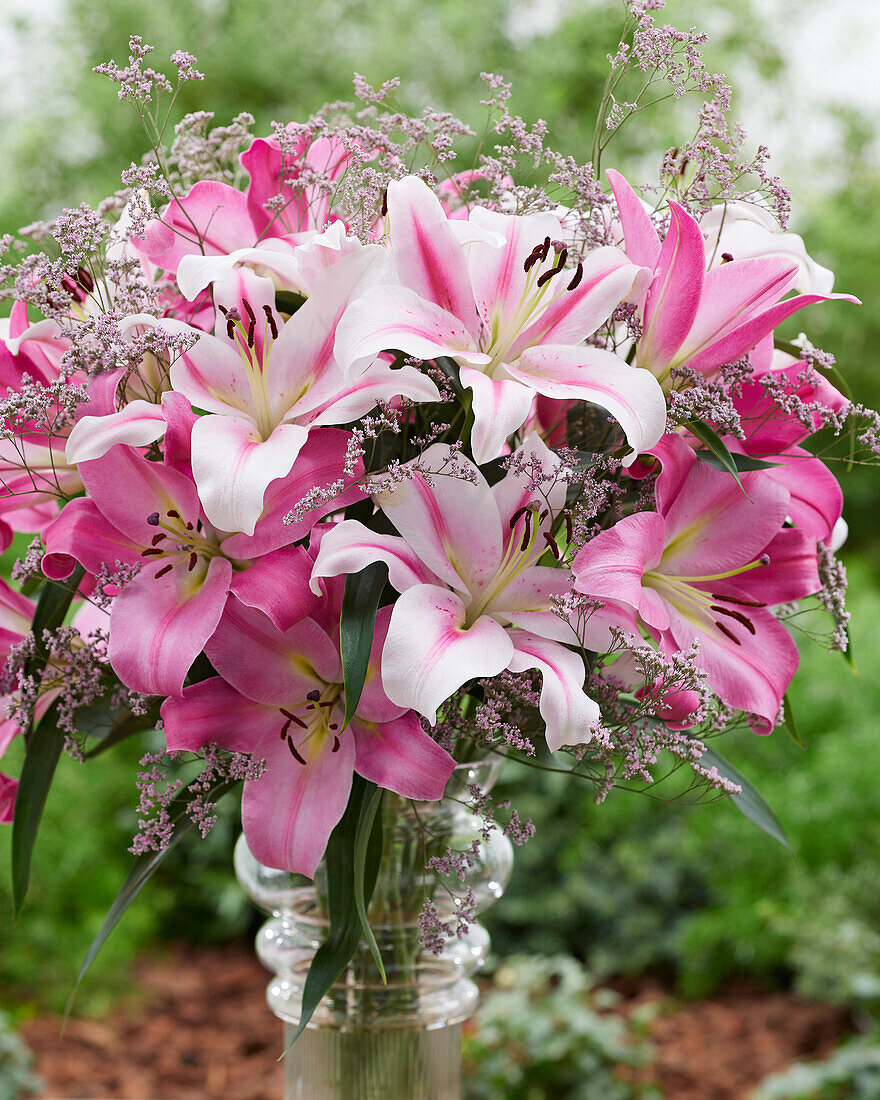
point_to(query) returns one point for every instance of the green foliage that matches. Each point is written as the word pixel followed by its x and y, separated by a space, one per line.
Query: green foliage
pixel 80 862
pixel 16 1079
pixel 851 1073
pixel 638 885
pixel 284 63
pixel 545 1033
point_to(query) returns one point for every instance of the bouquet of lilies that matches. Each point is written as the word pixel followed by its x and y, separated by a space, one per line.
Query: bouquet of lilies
pixel 341 462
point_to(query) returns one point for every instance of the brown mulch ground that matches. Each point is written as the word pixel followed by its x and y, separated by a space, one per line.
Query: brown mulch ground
pixel 201 1031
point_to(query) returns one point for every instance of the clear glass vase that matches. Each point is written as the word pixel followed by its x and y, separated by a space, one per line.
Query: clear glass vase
pixel 368 1040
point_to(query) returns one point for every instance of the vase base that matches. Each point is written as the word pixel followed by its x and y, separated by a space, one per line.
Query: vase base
pixel 390 1064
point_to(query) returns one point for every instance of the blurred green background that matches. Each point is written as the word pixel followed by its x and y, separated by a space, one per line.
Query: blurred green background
pixel 636 886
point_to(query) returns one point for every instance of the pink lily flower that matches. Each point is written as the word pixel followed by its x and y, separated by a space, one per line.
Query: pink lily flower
pixel 214 219
pixel 281 698
pixel 696 318
pixel 473 599
pixel 816 498
pixel 141 512
pixel 707 565
pixel 513 317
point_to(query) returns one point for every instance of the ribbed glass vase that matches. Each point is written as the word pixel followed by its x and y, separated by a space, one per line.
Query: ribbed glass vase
pixel 368 1040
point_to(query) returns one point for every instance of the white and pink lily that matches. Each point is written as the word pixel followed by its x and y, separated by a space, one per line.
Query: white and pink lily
pixel 280 697
pixel 263 386
pixel 473 599
pixel 707 565
pixel 513 317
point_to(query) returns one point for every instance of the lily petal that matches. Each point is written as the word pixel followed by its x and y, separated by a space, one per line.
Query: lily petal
pixel 401 757
pixel 269 665
pixel 633 396
pixel 501 406
pixel 278 585
pixel 437 520
pixel 350 546
pixel 233 467
pixel 569 713
pixel 159 625
pixel 429 652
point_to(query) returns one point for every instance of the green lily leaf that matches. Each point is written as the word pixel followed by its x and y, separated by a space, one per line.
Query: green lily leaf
pixel 749 802
pixel 791 724
pixel 144 867
pixel 367 854
pixel 743 463
pixel 344 933
pixel 109 727
pixel 716 446
pixel 357 623
pixel 41 760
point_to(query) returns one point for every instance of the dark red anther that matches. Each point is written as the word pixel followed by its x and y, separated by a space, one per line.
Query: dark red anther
pixel 726 257
pixel 527 532
pixel 189 526
pixel 335 744
pixel 284 729
pixel 576 279
pixel 230 328
pixel 248 310
pixel 299 759
pixel 158 538
pixel 738 615
pixel 729 633
pixel 551 542
pixel 193 559
pixel 173 514
pixel 153 519
pixel 560 264
pixel 334 725
pixel 384 208
pixel 291 717
pixel 736 600
pixel 325 703
pixel 270 317
pixel 165 569
pixel 313 696
pixel 153 552
pixel 545 248
pixel 532 259
pixel 514 519
pixel 544 515
pixel 568 526
pixel 252 327
pixel 222 309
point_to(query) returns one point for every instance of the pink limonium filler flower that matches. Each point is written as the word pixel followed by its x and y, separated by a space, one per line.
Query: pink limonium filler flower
pixel 280 697
pixel 137 511
pixel 263 384
pixel 707 566
pixel 473 599
pixel 16 614
pixel 509 309
pixel 695 318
